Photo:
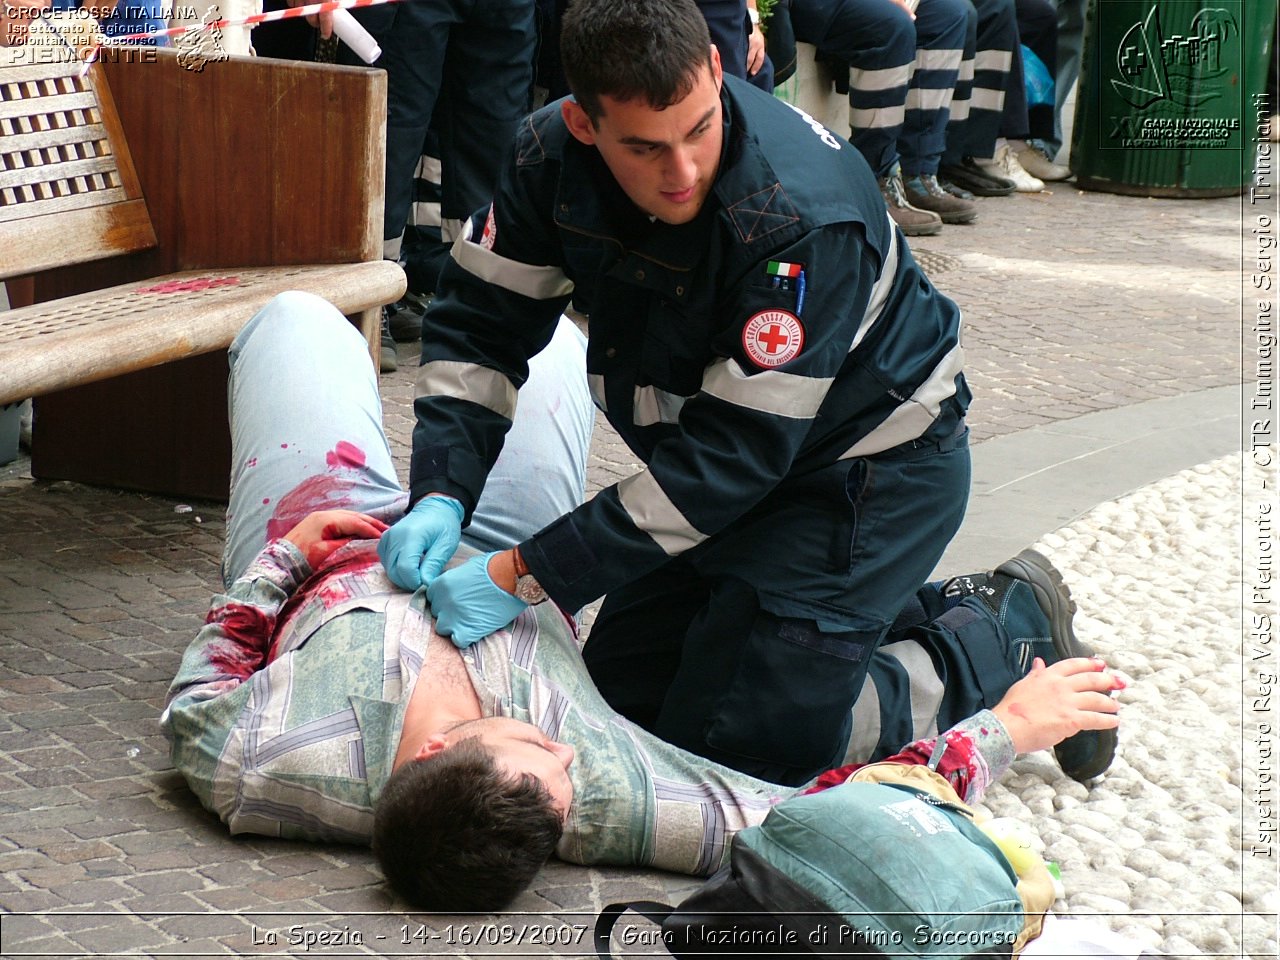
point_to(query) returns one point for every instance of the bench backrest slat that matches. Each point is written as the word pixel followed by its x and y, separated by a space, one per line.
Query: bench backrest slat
pixel 68 192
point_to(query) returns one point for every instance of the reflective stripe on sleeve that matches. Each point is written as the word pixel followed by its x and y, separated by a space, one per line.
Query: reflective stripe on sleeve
pixel 595 383
pixel 468 381
pixel 651 405
pixel 913 416
pixel 526 279
pixel 771 391
pixel 653 512
pixel 880 291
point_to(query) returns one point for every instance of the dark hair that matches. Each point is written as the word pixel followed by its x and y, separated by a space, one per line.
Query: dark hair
pixel 647 50
pixel 453 834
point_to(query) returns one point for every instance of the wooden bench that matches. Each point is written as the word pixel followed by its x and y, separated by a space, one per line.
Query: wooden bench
pixel 148 211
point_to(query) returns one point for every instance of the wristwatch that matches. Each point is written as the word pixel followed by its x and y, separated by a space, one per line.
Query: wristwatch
pixel 754 14
pixel 528 588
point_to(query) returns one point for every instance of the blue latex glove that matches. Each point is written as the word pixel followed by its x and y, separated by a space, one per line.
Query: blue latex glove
pixel 468 605
pixel 415 549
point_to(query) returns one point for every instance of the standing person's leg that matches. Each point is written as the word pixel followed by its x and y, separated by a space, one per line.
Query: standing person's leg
pixel 941 26
pixel 1038 29
pixel 1070 44
pixel 878 41
pixel 1014 124
pixel 997 44
pixel 306 426
pixel 978 104
pixel 486 89
pixel 940 34
pixel 726 22
pixel 1013 118
pixel 413 54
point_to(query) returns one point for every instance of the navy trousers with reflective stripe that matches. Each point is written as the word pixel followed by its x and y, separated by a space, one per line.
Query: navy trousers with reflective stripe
pixel 978 104
pixel 751 648
pixel 933 670
pixel 941 26
pixel 901 73
pixel 468 62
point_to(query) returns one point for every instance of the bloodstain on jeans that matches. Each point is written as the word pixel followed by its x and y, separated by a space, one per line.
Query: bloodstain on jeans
pixel 323 492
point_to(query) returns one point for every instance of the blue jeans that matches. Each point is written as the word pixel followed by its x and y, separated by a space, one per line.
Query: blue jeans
pixel 306 433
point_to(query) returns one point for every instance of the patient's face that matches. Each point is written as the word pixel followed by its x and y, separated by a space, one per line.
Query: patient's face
pixel 519 748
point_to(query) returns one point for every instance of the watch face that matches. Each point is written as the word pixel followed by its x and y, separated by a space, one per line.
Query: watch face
pixel 529 590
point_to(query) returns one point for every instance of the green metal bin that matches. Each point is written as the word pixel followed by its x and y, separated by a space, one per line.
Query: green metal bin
pixel 1171 96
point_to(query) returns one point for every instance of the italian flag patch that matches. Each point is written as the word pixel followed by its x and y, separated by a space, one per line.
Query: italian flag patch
pixel 777 268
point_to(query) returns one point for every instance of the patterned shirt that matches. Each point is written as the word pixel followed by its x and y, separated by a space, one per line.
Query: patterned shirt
pixel 286 713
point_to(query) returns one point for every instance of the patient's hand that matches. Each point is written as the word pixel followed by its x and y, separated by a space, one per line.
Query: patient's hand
pixel 321 533
pixel 1050 704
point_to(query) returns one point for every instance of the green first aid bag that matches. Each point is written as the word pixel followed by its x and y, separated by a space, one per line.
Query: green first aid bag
pixel 862 869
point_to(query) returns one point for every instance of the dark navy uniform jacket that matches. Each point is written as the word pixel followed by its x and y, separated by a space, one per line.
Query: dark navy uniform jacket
pixel 787 327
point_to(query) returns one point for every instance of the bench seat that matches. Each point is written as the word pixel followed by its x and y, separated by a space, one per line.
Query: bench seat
pixel 147 211
pixel 104 333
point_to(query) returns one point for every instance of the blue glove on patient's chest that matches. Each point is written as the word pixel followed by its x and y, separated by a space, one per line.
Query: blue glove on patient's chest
pixel 417 547
pixel 468 605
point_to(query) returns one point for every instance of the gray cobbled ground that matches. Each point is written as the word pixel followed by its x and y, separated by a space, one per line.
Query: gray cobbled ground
pixel 1074 303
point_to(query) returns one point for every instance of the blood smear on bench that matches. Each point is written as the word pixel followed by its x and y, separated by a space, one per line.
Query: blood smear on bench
pixel 195 284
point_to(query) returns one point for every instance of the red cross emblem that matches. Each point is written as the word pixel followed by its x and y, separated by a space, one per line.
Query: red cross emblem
pixel 490 235
pixel 773 337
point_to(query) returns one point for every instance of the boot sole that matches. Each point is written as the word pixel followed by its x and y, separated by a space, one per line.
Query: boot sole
pixel 978 187
pixel 950 216
pixel 928 230
pixel 1054 599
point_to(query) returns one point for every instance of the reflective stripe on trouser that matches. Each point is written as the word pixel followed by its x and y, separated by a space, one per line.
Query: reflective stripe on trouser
pixel 751 648
pixel 424 249
pixel 940 33
pixel 932 671
pixel 307 435
pixel 878 41
pixel 990 45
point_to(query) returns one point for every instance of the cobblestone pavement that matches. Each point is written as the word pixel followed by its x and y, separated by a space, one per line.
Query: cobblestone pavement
pixel 1074 303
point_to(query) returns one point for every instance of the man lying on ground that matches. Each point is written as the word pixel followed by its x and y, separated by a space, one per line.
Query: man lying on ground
pixel 318 702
